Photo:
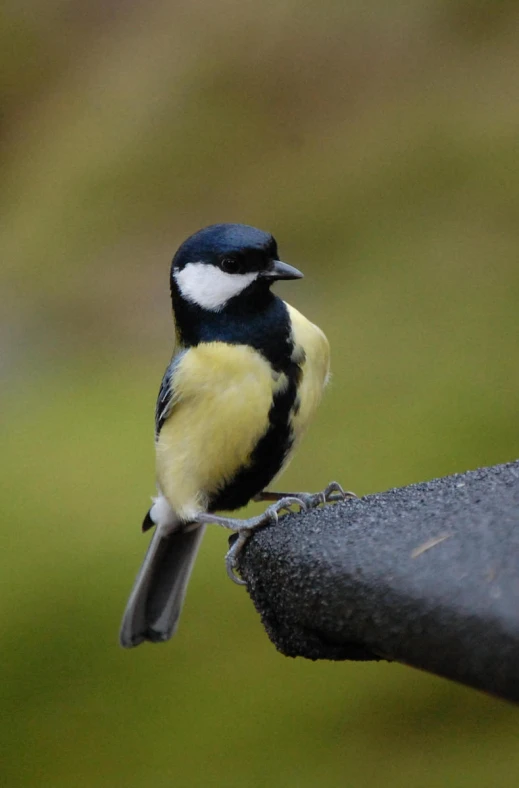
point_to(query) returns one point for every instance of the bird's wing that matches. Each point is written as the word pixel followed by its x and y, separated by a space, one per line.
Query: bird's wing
pixel 166 398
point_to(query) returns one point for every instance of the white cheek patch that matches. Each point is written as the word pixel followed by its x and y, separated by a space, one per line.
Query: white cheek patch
pixel 208 286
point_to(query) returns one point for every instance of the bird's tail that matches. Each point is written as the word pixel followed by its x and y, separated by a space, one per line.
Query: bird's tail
pixel 158 593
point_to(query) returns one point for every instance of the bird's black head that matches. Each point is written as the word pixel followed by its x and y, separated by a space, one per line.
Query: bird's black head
pixel 224 263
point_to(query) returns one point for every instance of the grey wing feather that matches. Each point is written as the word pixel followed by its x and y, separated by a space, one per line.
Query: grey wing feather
pixel 163 406
pixel 166 398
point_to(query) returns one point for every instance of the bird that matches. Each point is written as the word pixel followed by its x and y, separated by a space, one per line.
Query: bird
pixel 246 376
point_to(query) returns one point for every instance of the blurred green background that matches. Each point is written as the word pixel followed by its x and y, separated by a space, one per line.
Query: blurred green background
pixel 379 143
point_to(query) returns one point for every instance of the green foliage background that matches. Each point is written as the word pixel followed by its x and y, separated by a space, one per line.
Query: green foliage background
pixel 379 143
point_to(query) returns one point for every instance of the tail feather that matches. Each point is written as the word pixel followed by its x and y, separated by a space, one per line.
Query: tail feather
pixel 159 590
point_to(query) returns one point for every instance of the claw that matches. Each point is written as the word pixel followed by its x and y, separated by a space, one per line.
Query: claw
pixel 335 492
pixel 230 565
pixel 232 554
pixel 285 504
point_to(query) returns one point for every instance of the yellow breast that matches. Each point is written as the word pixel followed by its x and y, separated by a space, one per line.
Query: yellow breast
pixel 311 345
pixel 223 394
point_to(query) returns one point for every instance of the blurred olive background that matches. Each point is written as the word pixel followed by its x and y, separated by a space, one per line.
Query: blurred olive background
pixel 379 143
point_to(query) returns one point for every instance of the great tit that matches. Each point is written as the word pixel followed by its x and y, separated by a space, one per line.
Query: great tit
pixel 247 374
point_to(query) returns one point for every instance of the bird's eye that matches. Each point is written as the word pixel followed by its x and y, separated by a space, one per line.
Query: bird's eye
pixel 231 265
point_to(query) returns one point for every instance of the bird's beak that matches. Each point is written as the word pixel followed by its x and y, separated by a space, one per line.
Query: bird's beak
pixel 281 270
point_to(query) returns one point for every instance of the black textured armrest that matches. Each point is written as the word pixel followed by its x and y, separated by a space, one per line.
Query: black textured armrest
pixel 427 575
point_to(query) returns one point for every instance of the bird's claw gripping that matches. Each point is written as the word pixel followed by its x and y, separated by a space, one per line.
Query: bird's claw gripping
pixel 231 559
pixel 270 515
pixel 285 504
pixel 331 494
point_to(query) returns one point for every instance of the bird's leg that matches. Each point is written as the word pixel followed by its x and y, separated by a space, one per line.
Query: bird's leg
pixel 332 493
pixel 244 528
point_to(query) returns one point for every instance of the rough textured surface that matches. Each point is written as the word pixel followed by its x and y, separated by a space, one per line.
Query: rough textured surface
pixel 427 575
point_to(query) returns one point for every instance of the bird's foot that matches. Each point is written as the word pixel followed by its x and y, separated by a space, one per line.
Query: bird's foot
pixel 331 494
pixel 245 528
pixel 283 502
pixel 270 515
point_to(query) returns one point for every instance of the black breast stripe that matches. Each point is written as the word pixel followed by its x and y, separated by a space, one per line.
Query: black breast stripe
pixel 269 454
